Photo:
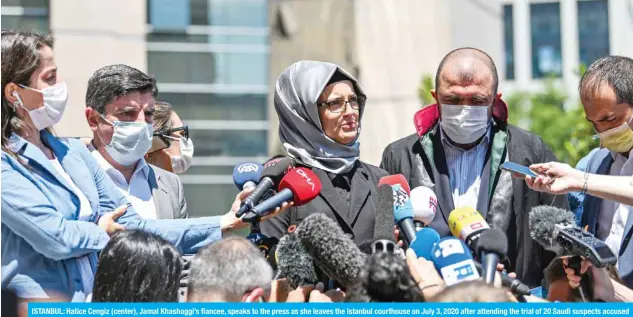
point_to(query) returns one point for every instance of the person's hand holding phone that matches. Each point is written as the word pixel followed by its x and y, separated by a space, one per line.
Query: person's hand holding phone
pixel 555 178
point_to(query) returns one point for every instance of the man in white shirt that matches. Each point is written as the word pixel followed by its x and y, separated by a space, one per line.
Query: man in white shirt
pixel 120 102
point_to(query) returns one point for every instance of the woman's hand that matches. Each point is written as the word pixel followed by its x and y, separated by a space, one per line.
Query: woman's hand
pixel 231 222
pixel 555 178
pixel 107 221
pixel 425 274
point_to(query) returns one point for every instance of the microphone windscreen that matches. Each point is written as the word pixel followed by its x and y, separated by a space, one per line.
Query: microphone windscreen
pixel 425 240
pixel 396 179
pixel 466 221
pixel 294 262
pixel 333 250
pixel 424 204
pixel 453 260
pixel 277 167
pixel 402 207
pixel 543 219
pixel 384 222
pixel 303 183
pixel 388 279
pixel 492 241
pixel 247 172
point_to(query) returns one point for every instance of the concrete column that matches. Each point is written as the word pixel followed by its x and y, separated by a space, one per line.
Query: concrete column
pixel 522 43
pixel 621 27
pixel 569 45
pixel 90 34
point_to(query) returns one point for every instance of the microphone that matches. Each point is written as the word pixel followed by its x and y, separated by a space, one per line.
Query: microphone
pixel 491 248
pixel 299 185
pixel 467 224
pixel 273 171
pixel 384 222
pixel 294 262
pixel 403 213
pixel 396 179
pixel 266 246
pixel 387 278
pixel 247 175
pixel 555 229
pixel 516 287
pixel 425 240
pixel 333 251
pixel 424 204
pixel 453 261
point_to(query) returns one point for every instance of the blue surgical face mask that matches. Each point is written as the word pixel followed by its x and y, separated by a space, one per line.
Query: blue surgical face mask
pixel 130 141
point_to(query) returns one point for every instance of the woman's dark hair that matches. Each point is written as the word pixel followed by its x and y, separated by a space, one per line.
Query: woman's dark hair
pixel 162 116
pixel 137 266
pixel 20 59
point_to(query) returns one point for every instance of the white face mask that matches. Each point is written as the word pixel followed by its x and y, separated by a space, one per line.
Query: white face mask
pixel 55 98
pixel 130 141
pixel 464 124
pixel 180 164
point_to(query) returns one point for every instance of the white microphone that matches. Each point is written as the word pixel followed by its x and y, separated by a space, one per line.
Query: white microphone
pixel 424 204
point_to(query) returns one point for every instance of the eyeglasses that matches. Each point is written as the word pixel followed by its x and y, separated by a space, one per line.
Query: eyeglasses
pixel 338 105
pixel 168 133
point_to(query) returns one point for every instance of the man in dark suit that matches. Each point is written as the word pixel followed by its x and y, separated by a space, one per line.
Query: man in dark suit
pixel 459 146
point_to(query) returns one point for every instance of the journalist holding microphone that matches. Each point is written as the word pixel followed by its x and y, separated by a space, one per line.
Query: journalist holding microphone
pixel 320 107
pixel 601 187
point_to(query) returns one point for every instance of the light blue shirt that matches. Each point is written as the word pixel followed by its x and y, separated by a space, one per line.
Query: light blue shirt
pixel 41 230
pixel 465 169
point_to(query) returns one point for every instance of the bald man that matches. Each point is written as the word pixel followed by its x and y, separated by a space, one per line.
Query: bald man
pixel 459 146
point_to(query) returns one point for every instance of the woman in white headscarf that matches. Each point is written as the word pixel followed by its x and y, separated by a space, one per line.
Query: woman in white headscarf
pixel 320 107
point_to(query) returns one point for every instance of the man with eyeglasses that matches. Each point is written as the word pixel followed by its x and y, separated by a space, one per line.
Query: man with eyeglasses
pixel 457 151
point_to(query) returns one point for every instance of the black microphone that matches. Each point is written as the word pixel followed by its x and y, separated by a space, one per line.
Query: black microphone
pixel 555 229
pixel 274 171
pixel 294 262
pixel 333 251
pixel 387 278
pixel 516 287
pixel 384 222
pixel 491 248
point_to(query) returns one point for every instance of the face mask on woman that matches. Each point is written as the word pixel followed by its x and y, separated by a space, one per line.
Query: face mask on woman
pixel 181 163
pixel 50 113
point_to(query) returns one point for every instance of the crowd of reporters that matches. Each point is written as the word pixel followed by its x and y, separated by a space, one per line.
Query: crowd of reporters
pixel 105 220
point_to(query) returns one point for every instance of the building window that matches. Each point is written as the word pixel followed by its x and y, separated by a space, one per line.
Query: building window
pixel 26 15
pixel 210 58
pixel 508 40
pixel 593 30
pixel 546 39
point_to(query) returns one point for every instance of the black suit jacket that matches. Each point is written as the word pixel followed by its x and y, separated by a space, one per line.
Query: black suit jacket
pixel 509 200
pixel 357 221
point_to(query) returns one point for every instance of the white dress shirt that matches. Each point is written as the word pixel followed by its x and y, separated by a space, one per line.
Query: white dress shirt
pixel 138 191
pixel 465 169
pixel 613 215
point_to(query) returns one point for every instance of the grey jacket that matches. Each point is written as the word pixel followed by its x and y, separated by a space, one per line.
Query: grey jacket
pixel 168 193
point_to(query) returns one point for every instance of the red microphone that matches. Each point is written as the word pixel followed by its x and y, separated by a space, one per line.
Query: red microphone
pixel 299 185
pixel 396 179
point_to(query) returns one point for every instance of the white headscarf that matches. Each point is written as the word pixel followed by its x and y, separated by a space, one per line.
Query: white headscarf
pixel 296 93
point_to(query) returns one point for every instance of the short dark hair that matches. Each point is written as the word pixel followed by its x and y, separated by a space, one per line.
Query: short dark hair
pixel 474 53
pixel 616 71
pixel 114 81
pixel 137 266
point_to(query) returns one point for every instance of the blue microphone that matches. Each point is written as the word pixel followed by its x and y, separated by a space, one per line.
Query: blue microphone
pixel 246 175
pixel 403 213
pixel 453 261
pixel 424 241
